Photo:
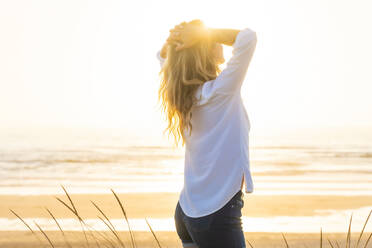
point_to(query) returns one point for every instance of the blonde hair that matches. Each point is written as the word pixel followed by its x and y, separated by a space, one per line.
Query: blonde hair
pixel 182 73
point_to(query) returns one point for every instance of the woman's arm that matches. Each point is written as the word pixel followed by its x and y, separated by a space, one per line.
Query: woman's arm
pixel 230 80
pixel 191 34
pixel 224 36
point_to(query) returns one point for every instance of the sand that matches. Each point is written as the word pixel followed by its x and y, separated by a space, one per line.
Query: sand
pixel 24 239
pixel 162 205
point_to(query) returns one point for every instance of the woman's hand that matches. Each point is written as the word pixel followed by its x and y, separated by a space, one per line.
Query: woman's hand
pixel 171 39
pixel 186 35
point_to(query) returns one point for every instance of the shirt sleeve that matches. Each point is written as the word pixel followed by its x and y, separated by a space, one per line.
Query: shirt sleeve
pixel 231 78
pixel 161 60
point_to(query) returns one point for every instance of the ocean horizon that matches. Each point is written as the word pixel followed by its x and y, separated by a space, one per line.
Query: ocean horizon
pixel 92 161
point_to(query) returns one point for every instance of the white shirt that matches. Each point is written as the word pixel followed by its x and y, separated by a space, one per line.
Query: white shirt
pixel 217 152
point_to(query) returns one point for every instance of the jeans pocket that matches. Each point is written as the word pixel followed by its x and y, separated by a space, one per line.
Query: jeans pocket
pixel 234 208
pixel 200 224
pixel 240 203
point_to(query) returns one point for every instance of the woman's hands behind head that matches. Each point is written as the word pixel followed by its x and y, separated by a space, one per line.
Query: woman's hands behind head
pixel 186 35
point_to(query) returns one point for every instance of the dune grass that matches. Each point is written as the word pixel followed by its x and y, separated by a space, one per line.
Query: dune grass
pixel 117 241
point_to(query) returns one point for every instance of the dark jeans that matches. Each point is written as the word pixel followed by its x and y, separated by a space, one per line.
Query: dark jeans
pixel 220 229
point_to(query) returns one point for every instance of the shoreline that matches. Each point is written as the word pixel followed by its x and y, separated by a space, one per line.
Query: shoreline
pixel 162 205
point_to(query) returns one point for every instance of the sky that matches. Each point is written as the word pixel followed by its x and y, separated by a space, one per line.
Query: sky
pixel 93 63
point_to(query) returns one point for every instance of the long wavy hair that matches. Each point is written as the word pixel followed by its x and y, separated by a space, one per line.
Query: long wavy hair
pixel 182 73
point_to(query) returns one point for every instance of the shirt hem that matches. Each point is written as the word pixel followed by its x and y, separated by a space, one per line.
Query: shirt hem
pixel 210 212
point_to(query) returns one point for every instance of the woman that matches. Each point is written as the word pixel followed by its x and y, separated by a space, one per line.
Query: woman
pixel 204 106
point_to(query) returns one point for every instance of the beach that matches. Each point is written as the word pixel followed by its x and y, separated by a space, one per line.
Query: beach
pixel 22 239
pixel 162 205
pixel 95 101
pixel 301 185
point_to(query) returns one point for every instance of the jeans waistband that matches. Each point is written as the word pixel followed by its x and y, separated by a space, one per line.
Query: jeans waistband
pixel 238 195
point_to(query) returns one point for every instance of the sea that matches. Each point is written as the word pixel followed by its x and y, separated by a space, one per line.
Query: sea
pixel 308 161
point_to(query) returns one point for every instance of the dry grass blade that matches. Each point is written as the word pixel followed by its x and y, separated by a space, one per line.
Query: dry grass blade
pixel 285 240
pixel 63 233
pixel 24 222
pixel 249 243
pixel 74 211
pixel 67 206
pixel 80 219
pixel 330 243
pixel 338 246
pixel 349 233
pixel 321 238
pixel 95 205
pixel 153 233
pixel 46 236
pixel 69 198
pixel 85 224
pixel 97 243
pixel 107 238
pixel 110 241
pixel 82 227
pixel 113 231
pixel 77 215
pixel 104 215
pixel 125 215
pixel 103 235
pixel 365 223
pixel 369 237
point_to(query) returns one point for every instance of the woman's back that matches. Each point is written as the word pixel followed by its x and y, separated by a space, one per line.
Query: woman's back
pixel 217 151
